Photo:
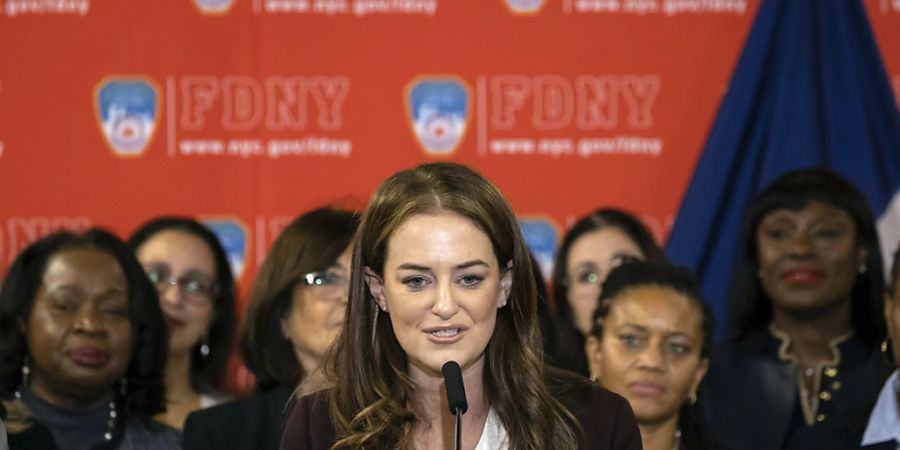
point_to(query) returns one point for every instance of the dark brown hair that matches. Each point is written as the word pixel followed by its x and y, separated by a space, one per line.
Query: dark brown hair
pixel 312 242
pixel 369 398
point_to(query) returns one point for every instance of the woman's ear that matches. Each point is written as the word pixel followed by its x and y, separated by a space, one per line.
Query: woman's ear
pixel 698 376
pixel 594 353
pixel 376 288
pixel 506 281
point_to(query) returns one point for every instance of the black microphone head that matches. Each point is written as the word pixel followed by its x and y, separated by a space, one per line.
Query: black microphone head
pixel 456 392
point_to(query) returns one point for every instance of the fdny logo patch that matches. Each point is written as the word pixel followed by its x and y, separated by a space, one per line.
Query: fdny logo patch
pixel 233 237
pixel 541 237
pixel 127 111
pixel 213 6
pixel 524 6
pixel 438 109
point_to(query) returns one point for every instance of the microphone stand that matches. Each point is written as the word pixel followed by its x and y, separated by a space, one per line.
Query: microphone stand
pixel 458 439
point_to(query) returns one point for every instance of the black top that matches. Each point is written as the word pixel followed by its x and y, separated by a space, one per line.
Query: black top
pixel 251 423
pixel 606 419
pixel 751 400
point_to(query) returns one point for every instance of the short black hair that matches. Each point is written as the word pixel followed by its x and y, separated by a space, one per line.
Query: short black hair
pixel 635 273
pixel 312 242
pixel 206 372
pixel 750 309
pixel 145 392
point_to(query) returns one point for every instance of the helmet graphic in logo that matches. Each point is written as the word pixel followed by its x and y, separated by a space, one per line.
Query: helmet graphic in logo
pixel 438 111
pixel 127 111
pixel 541 237
pixel 213 6
pixel 525 6
pixel 233 237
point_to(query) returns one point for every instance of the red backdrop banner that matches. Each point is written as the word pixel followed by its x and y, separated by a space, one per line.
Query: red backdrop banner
pixel 245 113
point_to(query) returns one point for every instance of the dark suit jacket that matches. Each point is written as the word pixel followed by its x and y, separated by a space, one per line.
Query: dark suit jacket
pixel 750 398
pixel 606 419
pixel 252 423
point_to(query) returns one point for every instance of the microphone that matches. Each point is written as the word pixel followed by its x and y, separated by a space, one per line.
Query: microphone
pixel 456 395
pixel 456 392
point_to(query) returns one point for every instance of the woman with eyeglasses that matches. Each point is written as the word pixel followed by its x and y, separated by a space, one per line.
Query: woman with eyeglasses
pixel 595 244
pixel 196 289
pixel 296 310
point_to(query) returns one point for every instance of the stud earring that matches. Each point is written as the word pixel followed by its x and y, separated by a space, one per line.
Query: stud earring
pixel 204 349
pixel 25 373
pixel 862 268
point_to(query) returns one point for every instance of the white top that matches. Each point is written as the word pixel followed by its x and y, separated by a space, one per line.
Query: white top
pixel 884 423
pixel 494 436
pixel 210 400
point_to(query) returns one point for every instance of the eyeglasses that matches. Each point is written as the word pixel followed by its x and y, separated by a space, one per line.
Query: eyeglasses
pixel 327 284
pixel 591 277
pixel 197 288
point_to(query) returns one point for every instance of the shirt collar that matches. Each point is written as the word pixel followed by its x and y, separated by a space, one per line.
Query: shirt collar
pixel 884 423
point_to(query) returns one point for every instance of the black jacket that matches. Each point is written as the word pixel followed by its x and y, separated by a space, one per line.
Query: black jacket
pixel 251 423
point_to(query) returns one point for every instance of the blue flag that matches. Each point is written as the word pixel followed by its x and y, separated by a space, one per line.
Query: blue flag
pixel 809 90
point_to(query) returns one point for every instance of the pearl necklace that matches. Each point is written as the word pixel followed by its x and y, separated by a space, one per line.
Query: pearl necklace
pixel 110 423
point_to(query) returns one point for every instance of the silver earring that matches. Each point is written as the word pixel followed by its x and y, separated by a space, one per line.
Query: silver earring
pixel 204 349
pixel 25 373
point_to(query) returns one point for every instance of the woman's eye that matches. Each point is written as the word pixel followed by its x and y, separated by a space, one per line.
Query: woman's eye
pixel 829 232
pixel 416 282
pixel 66 306
pixel 471 280
pixel 677 348
pixel 588 278
pixel 630 340
pixel 115 311
pixel 777 233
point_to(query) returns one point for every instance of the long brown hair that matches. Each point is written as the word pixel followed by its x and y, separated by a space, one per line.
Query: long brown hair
pixel 312 242
pixel 369 398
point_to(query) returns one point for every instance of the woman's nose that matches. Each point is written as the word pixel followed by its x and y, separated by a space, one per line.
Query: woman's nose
pixel 445 305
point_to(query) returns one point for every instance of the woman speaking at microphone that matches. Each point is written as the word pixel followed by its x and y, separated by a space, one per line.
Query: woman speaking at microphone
pixel 441 273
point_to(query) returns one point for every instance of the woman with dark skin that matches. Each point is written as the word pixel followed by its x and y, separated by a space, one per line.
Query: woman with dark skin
pixel 801 369
pixel 82 346
pixel 650 343
pixel 883 429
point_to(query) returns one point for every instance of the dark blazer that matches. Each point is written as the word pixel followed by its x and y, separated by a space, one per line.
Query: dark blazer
pixel 750 398
pixel 606 419
pixel 251 423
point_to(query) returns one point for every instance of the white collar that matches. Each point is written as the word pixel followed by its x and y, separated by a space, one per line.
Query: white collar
pixel 494 436
pixel 884 423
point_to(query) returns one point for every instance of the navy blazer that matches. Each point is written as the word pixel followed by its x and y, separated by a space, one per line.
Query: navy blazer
pixel 750 397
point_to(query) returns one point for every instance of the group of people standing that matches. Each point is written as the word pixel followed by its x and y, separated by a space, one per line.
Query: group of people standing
pixel 113 345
